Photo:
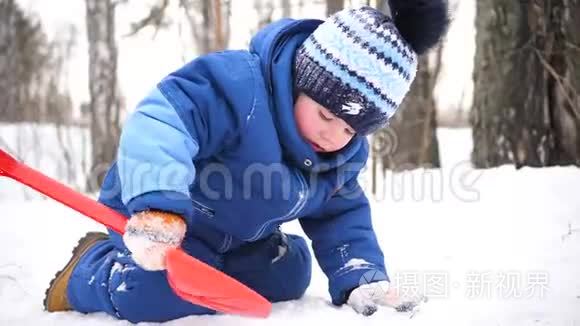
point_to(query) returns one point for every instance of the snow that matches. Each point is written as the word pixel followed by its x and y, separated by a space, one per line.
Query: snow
pixel 356 262
pixel 122 287
pixel 497 246
pixel 147 253
pixel 39 146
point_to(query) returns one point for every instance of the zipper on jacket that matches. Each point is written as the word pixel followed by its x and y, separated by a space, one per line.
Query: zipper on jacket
pixel 300 203
pixel 203 209
pixel 227 243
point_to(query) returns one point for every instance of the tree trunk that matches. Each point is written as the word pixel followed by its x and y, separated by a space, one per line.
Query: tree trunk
pixel 265 12
pixel 9 81
pixel 211 32
pixel 333 6
pixel 381 5
pixel 286 9
pixel 208 21
pixel 564 82
pixel 104 92
pixel 526 105
pixel 25 65
pixel 573 49
pixel 410 140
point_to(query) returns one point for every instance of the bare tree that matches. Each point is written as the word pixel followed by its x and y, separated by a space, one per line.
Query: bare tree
pixel 527 77
pixel 156 18
pixel 66 132
pixel 265 11
pixel 286 10
pixel 25 58
pixel 410 140
pixel 34 88
pixel 333 6
pixel 208 21
pixel 31 83
pixel 382 4
pixel 104 92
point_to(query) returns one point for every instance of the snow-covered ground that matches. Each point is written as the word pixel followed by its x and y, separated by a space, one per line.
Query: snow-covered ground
pixel 489 247
pixel 59 152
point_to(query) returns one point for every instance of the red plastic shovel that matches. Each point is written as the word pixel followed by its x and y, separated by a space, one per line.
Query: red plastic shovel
pixel 190 278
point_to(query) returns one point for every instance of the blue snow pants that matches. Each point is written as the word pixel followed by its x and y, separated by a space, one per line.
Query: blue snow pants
pixel 106 279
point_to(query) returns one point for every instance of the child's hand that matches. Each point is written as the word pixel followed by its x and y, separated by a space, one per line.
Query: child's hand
pixel 366 298
pixel 149 234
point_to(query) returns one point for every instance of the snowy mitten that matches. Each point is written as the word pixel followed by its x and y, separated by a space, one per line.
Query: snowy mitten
pixel 366 298
pixel 149 234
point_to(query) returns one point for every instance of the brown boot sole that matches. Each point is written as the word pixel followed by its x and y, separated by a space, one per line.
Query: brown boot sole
pixel 55 298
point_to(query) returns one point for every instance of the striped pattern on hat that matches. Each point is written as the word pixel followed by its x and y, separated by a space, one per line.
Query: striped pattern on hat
pixel 357 65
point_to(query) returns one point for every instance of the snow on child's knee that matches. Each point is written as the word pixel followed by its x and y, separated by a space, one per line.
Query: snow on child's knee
pixel 122 287
pixel 355 264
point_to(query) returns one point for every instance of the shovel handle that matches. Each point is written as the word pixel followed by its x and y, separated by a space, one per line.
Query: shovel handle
pixel 85 205
pixel 190 278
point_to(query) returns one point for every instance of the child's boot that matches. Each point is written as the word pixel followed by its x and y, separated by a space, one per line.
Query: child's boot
pixel 56 297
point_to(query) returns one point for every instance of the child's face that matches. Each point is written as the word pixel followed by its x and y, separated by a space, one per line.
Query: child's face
pixel 322 129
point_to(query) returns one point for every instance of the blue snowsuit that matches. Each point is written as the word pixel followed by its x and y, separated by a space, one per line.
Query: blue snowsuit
pixel 216 142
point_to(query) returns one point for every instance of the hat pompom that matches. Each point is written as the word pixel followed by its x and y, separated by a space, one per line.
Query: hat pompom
pixel 422 23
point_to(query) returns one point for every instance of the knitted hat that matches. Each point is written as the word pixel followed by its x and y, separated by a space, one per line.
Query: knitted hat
pixel 360 63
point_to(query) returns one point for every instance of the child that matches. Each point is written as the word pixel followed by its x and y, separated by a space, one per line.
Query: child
pixel 236 143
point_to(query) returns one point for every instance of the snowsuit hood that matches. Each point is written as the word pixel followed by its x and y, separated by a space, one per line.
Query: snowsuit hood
pixel 216 142
pixel 276 46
